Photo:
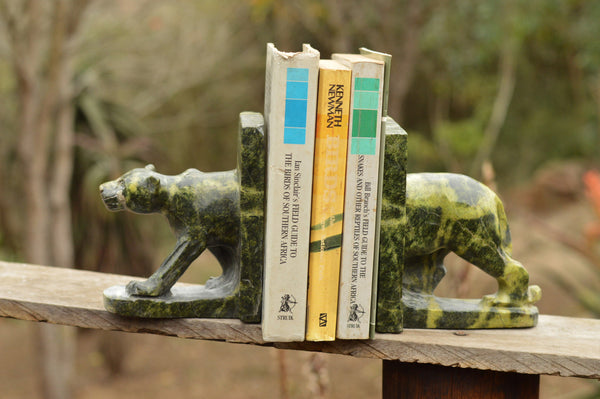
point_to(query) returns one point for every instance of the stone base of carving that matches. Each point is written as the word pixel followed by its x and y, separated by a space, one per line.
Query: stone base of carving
pixel 429 311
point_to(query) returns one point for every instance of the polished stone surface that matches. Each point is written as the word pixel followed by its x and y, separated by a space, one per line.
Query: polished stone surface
pixel 219 211
pixel 425 217
pixel 454 213
pixel 392 230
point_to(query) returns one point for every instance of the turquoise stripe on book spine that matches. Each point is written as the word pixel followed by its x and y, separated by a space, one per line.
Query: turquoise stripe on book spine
pixel 364 116
pixel 296 100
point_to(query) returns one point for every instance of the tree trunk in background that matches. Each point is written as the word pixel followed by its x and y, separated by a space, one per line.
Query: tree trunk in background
pixel 43 68
pixel 61 239
pixel 31 149
pixel 509 49
pixel 506 88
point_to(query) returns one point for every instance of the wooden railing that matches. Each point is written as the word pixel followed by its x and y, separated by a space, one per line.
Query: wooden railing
pixel 416 363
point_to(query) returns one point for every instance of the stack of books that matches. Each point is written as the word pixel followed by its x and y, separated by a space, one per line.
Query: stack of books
pixel 323 121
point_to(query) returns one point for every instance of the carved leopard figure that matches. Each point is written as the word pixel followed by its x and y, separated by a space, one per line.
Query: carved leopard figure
pixel 202 209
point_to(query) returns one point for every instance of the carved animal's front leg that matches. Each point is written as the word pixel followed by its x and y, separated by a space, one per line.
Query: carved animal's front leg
pixel 173 267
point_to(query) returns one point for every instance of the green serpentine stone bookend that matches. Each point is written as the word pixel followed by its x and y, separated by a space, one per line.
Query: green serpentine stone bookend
pixel 425 217
pixel 392 230
pixel 218 211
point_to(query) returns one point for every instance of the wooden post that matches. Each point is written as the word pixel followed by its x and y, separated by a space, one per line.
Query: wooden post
pixel 417 380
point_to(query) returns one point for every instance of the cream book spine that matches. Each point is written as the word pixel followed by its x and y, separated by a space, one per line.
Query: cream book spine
pixel 333 108
pixel 361 207
pixel 290 112
pixel 387 60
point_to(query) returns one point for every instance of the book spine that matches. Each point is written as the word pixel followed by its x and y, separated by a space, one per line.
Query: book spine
pixel 387 60
pixel 329 175
pixel 358 245
pixel 290 103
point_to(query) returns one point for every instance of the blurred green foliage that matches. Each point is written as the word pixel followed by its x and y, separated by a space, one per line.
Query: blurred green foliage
pixel 513 83
pixel 164 82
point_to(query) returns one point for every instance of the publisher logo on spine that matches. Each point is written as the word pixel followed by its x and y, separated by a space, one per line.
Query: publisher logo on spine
pixel 288 302
pixel 356 312
pixel 322 319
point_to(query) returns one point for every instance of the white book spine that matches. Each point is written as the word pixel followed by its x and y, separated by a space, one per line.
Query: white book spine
pixel 360 214
pixel 290 113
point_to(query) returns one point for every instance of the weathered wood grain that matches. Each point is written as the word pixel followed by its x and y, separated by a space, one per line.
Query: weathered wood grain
pixel 568 347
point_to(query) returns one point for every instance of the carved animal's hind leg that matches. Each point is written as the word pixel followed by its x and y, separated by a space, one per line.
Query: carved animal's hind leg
pixel 229 260
pixel 170 271
pixel 422 274
pixel 512 278
pixel 513 285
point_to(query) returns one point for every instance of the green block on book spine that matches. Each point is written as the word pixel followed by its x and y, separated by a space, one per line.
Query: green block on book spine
pixel 367 84
pixel 363 146
pixel 364 123
pixel 366 100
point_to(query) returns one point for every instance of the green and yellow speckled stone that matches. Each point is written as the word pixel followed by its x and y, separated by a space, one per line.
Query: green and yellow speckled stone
pixel 423 218
pixel 426 216
pixel 221 212
pixel 392 230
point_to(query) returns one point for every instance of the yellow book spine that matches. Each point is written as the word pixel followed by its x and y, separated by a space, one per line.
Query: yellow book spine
pixel 333 109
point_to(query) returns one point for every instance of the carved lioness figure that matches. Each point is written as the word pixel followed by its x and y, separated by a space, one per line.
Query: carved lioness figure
pixel 202 209
pixel 455 213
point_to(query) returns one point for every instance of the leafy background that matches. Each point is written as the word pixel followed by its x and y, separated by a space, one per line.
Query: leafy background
pixel 508 92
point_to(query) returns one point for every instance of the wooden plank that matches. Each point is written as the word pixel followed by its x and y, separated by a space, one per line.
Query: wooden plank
pixel 563 346
pixel 421 381
pixel 74 298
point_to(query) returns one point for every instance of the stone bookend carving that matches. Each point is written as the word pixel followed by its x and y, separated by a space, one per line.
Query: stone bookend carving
pixel 219 211
pixel 424 217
